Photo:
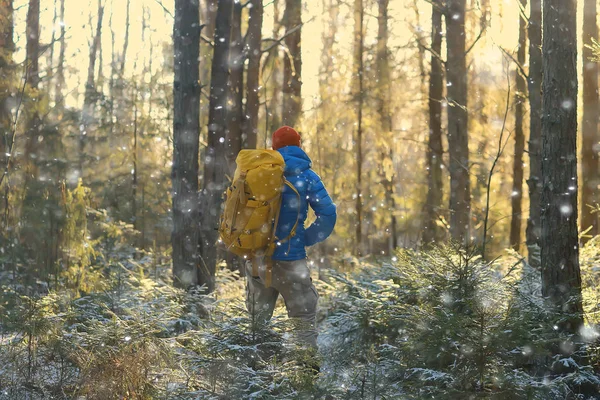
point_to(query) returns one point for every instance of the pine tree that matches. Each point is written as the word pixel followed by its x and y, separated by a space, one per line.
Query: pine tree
pixel 590 175
pixel 7 48
pixel 359 42
pixel 186 131
pixel 431 232
pixel 561 277
pixel 520 97
pixel 458 137
pixel 535 133
pixel 292 65
pixel 33 79
pixel 253 50
pixel 60 69
pixel 235 111
pixel 215 163
pixel 91 92
pixel 385 114
pixel 276 81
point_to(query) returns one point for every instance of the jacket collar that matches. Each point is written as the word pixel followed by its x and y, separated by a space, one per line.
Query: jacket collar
pixel 296 160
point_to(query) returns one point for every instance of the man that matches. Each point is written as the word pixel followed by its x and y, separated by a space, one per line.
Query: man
pixel 290 275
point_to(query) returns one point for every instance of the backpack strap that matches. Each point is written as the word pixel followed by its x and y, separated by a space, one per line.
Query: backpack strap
pixel 295 227
pixel 275 212
pixel 239 196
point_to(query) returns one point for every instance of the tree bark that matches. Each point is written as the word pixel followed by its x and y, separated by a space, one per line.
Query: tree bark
pixel 91 94
pixel 60 70
pixel 235 111
pixel 33 43
pixel 33 79
pixel 520 97
pixel 50 59
pixel 126 41
pixel 186 142
pixel 134 154
pixel 359 88
pixel 385 115
pixel 253 50
pixel 7 47
pixel 208 16
pixel 431 231
pixel 535 133
pixel 215 163
pixel 561 277
pixel 292 70
pixel 589 129
pixel 275 107
pixel 458 139
pixel 119 67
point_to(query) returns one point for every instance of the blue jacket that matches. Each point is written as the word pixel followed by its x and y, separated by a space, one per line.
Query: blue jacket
pixel 313 193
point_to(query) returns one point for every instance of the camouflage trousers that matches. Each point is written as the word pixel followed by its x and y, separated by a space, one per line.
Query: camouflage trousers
pixel 292 280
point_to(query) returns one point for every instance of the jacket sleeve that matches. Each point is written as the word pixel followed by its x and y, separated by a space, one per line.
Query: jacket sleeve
pixel 324 209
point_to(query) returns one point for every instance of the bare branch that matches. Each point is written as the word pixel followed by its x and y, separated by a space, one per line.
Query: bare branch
pixel 165 9
pixel 9 153
pixel 207 41
pixel 276 42
pixel 481 32
pixel 522 11
pixel 517 63
pixel 501 148
pixel 430 50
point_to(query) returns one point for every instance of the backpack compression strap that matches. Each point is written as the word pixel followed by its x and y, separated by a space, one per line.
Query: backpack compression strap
pixel 240 198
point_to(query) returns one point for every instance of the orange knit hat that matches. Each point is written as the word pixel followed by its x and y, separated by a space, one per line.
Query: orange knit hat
pixel 285 136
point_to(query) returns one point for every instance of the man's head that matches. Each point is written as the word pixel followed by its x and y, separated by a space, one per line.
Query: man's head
pixel 285 136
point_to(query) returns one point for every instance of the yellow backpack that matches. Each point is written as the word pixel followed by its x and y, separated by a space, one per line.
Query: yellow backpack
pixel 252 205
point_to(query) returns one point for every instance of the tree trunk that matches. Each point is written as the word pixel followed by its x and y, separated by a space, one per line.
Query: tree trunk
pixel 385 115
pixel 235 111
pixel 589 129
pixel 126 41
pixel 535 133
pixel 60 70
pixel 209 12
pixel 458 137
pixel 358 73
pixel 134 169
pixel 33 43
pixel 50 59
pixel 91 94
pixel 330 30
pixel 324 134
pixel 33 79
pixel 210 17
pixel 561 277
pixel 215 163
pixel 7 47
pixel 431 231
pixel 186 142
pixel 119 86
pixel 292 71
pixel 112 82
pixel 275 107
pixel 520 97
pixel 253 79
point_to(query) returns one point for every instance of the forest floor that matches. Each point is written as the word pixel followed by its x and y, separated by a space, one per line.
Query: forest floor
pixel 440 324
